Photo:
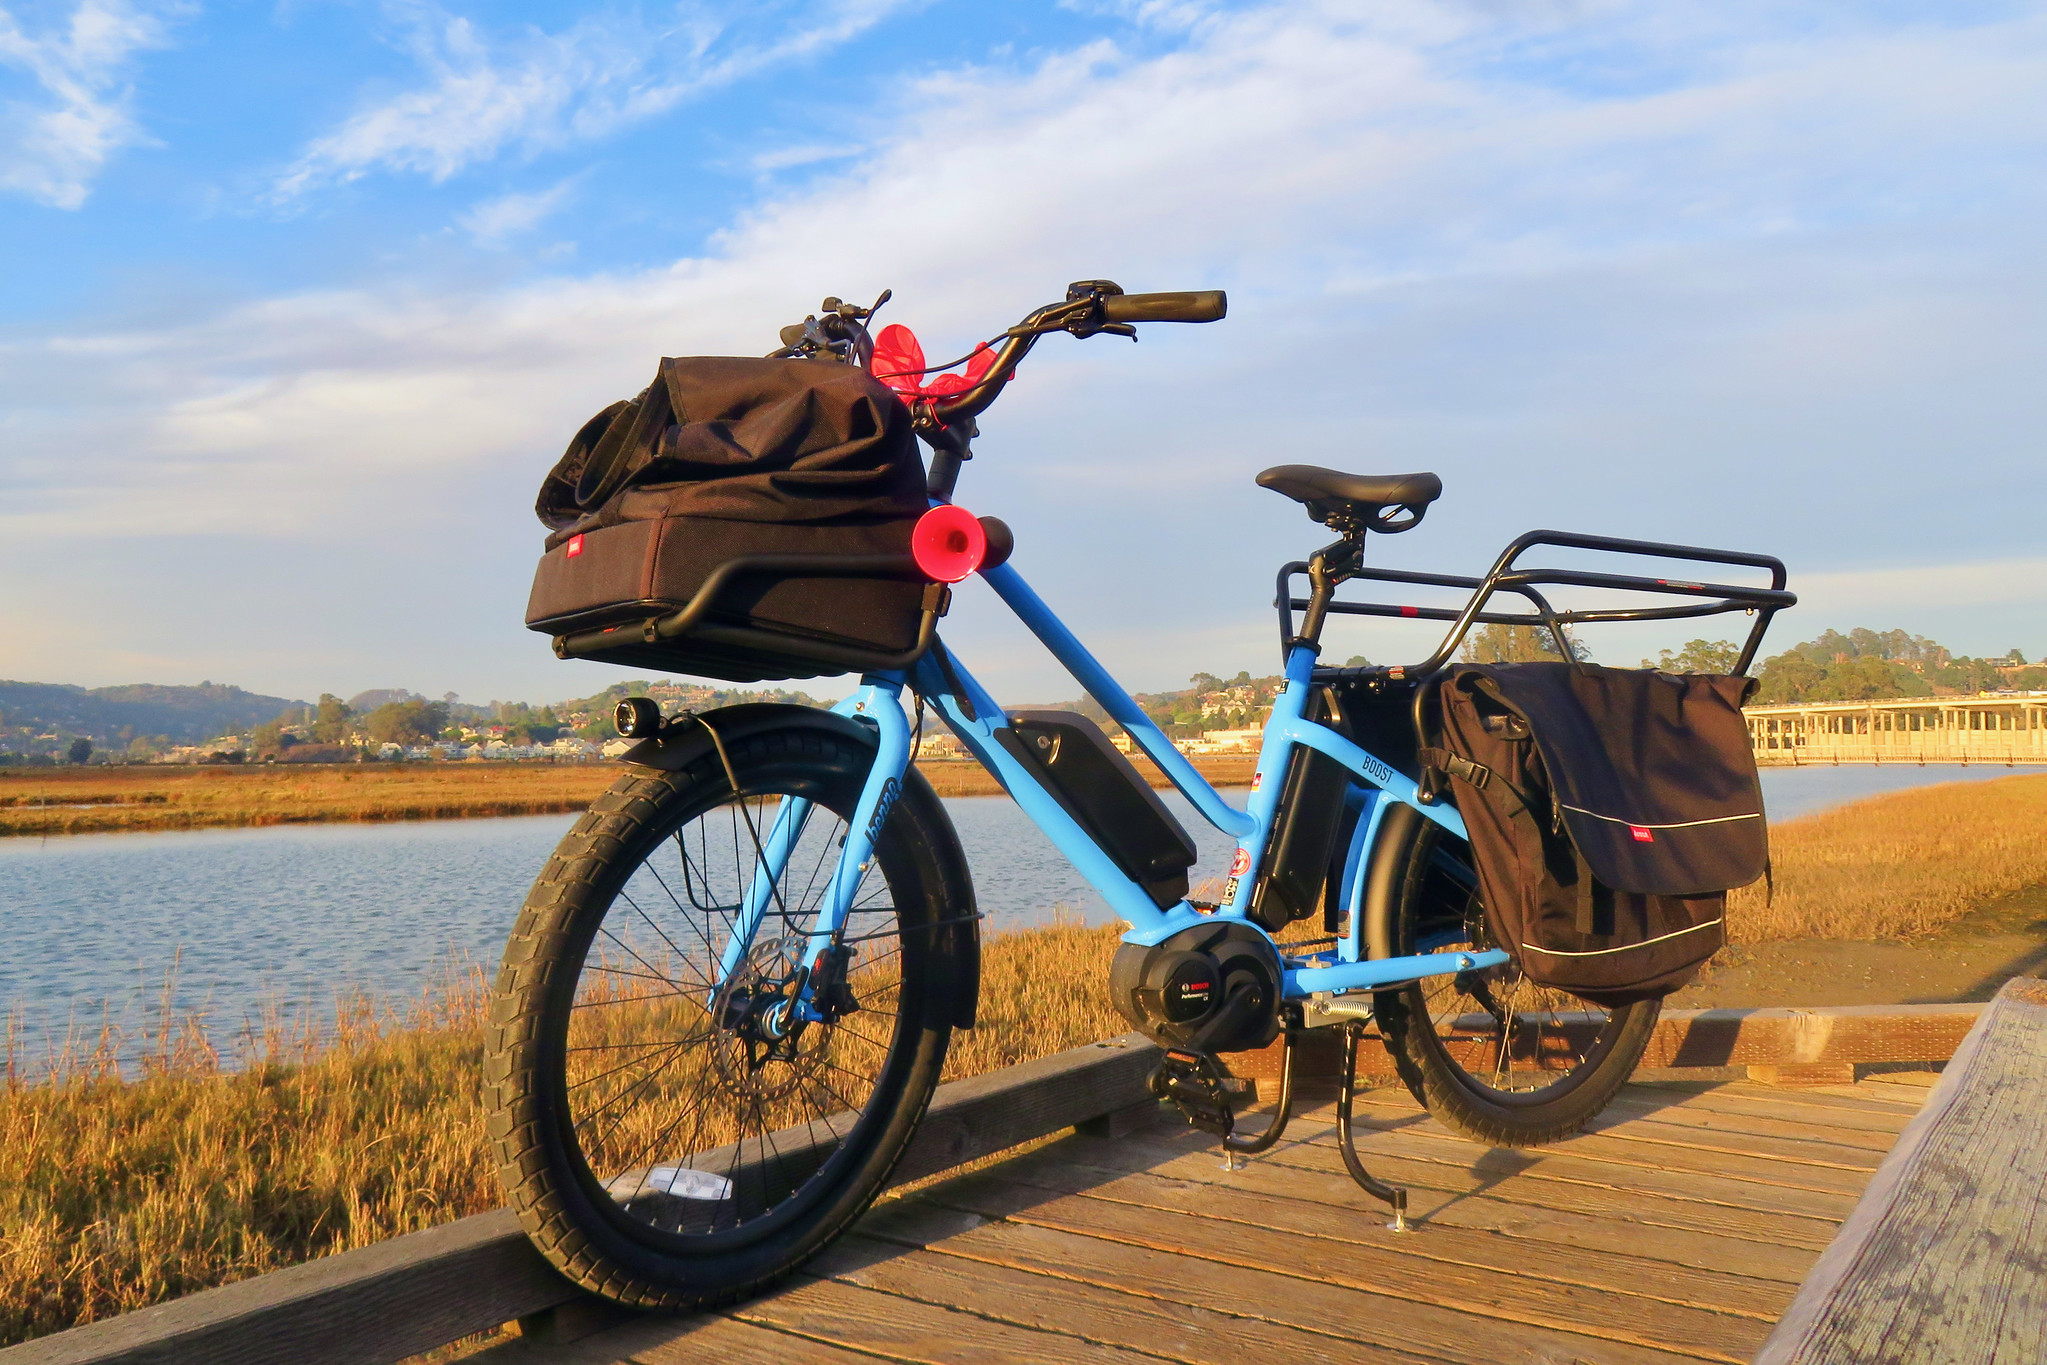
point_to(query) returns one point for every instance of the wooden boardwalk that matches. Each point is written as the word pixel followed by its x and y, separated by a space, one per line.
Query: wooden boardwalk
pixel 1676 1231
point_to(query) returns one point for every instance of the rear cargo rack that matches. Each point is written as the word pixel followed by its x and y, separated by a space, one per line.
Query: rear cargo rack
pixel 1709 599
pixel 671 638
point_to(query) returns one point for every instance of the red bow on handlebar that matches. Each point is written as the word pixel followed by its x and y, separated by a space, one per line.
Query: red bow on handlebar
pixel 899 363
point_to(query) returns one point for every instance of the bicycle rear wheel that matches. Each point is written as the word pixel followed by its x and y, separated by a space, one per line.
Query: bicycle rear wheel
pixel 1492 1055
pixel 668 1136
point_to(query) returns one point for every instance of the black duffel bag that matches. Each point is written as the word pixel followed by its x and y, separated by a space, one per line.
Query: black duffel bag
pixel 1610 812
pixel 718 459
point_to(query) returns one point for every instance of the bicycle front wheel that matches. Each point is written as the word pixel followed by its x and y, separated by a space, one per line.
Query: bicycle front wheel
pixel 1493 1055
pixel 671 1135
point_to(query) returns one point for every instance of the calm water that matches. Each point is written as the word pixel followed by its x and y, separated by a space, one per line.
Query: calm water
pixel 281 918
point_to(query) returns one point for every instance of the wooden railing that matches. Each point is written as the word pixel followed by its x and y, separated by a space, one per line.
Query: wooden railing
pixel 2007 730
pixel 1945 1255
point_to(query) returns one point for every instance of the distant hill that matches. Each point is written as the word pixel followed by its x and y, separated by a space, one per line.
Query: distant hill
pixel 110 716
pixel 362 703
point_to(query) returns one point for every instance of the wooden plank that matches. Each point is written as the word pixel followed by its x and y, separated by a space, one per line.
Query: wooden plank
pixel 1836 1034
pixel 1387 1267
pixel 1683 1199
pixel 1452 1197
pixel 1308 1211
pixel 661 1339
pixel 1945 1259
pixel 1631 1163
pixel 1882 1122
pixel 1188 1331
pixel 990 1113
pixel 1263 1293
pixel 381 1303
pixel 897 1328
pixel 1839 1033
pixel 368 1306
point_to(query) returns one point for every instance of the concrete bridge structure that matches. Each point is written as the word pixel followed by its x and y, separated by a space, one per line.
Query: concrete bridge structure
pixel 2001 728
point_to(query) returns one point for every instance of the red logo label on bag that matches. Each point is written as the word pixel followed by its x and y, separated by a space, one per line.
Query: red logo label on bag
pixel 1642 836
pixel 575 546
pixel 1240 864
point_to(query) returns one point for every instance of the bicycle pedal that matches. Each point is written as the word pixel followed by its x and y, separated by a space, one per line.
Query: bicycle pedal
pixel 1204 1092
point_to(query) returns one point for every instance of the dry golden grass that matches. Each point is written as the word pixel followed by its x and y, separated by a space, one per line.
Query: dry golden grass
pixel 1902 865
pixel 177 796
pixel 144 797
pixel 118 1194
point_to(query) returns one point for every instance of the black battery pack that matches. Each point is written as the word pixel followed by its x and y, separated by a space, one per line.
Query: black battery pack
pixel 1105 795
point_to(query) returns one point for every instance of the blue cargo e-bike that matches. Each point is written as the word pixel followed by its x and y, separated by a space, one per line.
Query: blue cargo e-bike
pixel 727 1000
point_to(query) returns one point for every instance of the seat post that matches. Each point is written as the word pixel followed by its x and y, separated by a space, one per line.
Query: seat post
pixel 1328 567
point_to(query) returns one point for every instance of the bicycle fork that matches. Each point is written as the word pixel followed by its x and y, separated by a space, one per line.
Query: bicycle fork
pixel 818 982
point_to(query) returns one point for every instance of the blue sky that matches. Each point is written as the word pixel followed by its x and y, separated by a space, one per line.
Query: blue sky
pixel 299 301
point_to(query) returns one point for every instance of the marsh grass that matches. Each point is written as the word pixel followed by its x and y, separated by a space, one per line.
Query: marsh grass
pixel 147 797
pixel 117 1193
pixel 1900 866
pixel 210 1165
pixel 156 797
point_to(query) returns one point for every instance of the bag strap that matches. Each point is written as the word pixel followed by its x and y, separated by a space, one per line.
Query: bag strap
pixel 1457 765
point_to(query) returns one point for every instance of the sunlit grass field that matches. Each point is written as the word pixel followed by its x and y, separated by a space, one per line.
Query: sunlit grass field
pixel 163 796
pixel 214 1165
pixel 1898 866
pixel 209 1168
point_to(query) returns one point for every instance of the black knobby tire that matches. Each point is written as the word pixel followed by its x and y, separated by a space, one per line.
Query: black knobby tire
pixel 656 1145
pixel 1555 1063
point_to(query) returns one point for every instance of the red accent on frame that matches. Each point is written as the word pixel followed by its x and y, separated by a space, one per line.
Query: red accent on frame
pixel 1642 836
pixel 575 547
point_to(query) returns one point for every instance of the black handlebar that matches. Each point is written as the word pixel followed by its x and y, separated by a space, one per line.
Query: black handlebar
pixel 1207 305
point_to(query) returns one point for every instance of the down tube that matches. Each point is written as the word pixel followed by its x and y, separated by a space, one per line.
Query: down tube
pixel 1067 648
pixel 975 722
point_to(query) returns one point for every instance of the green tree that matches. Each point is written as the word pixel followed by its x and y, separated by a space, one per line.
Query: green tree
pixel 1698 656
pixel 80 750
pixel 331 721
pixel 1501 643
pixel 1789 677
pixel 406 722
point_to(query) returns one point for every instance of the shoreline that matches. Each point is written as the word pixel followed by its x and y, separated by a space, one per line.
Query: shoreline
pixel 166 798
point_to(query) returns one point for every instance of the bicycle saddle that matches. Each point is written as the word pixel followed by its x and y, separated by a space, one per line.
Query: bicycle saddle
pixel 1355 503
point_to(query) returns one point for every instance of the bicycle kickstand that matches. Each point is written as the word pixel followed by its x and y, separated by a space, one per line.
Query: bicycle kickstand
pixel 1347 1085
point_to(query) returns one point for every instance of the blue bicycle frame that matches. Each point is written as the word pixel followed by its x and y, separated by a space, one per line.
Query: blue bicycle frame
pixel 974 716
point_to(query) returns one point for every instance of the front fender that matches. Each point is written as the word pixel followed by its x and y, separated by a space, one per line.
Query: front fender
pixel 958 942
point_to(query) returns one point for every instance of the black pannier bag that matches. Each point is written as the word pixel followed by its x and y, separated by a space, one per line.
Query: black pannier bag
pixel 723 457
pixel 1610 812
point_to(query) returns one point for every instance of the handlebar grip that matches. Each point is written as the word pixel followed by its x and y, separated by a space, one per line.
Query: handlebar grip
pixel 1206 305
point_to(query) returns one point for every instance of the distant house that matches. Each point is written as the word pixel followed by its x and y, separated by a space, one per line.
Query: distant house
pixel 1226 742
pixel 613 748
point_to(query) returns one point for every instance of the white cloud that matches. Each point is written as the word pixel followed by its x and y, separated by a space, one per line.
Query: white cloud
pixel 495 220
pixel 810 154
pixel 1747 303
pixel 534 91
pixel 55 143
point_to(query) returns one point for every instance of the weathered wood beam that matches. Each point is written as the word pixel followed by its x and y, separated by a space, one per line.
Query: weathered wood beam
pixel 1833 1035
pixel 385 1302
pixel 1945 1255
